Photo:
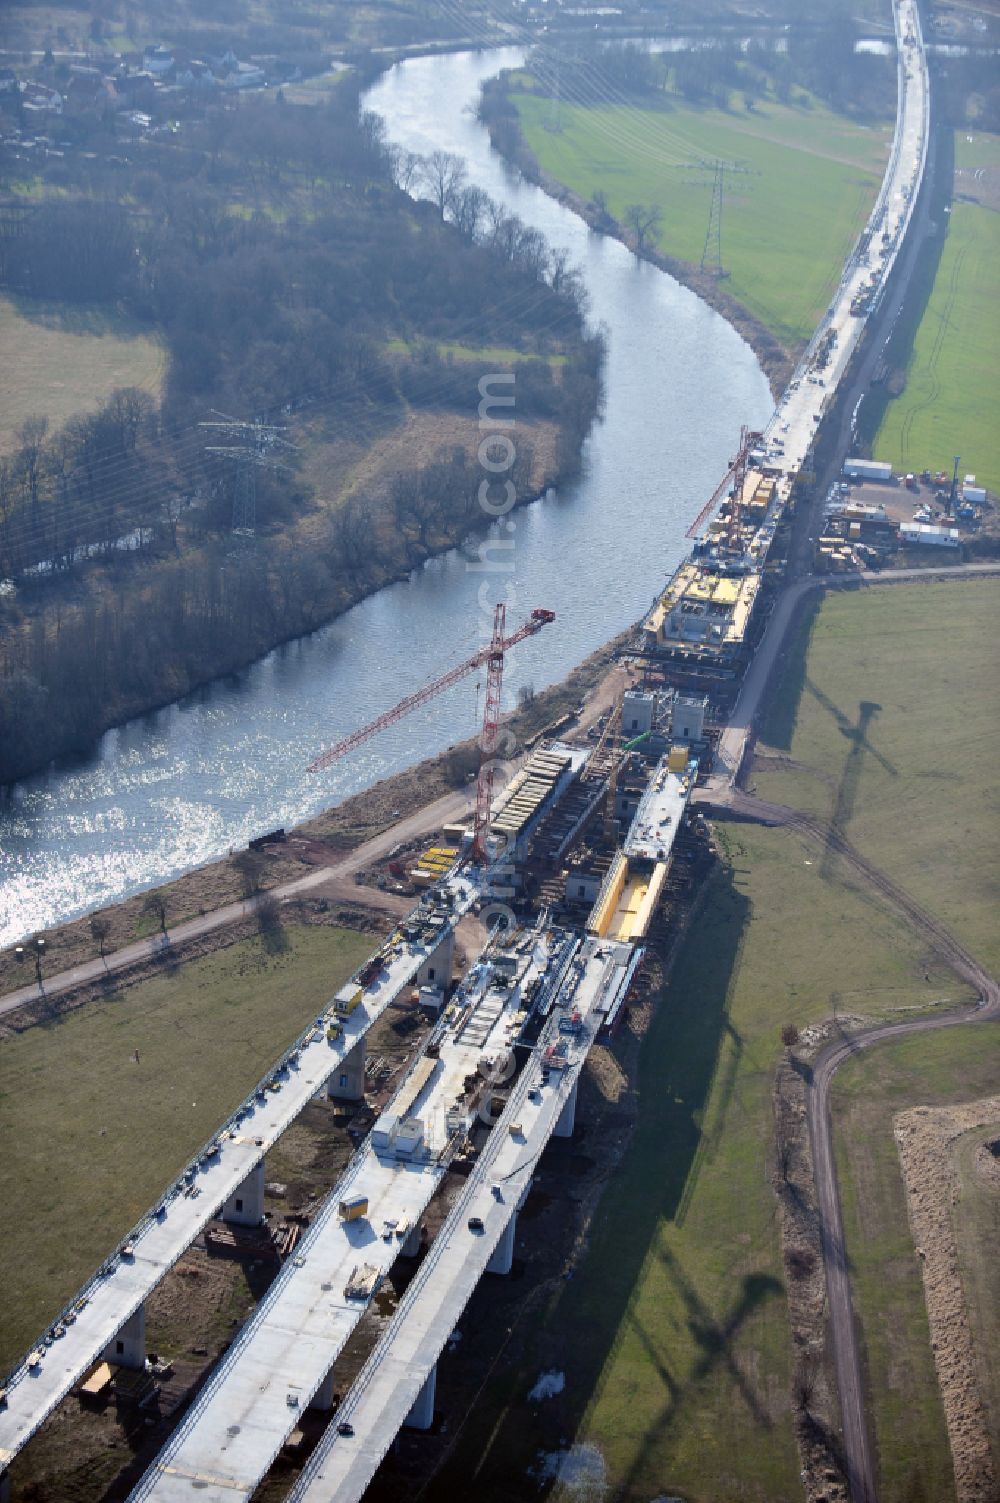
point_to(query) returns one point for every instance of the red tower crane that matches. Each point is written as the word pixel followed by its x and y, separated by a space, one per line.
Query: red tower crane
pixel 493 657
pixel 736 472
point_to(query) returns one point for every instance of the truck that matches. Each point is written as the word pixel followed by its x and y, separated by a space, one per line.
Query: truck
pixel 347 999
pixel 354 1208
pixel 370 970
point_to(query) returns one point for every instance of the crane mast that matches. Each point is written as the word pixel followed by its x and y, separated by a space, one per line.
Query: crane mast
pixel 736 472
pixel 493 658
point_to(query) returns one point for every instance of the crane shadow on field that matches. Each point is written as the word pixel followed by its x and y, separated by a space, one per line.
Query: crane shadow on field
pixel 638 1315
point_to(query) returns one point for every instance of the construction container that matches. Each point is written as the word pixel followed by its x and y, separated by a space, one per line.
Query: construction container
pixel 354 1208
pixel 409 1136
pixel 867 469
pixel 677 760
pixel 347 999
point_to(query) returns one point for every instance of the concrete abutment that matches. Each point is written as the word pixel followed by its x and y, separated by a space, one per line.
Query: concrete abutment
pixel 322 1399
pixel 503 1254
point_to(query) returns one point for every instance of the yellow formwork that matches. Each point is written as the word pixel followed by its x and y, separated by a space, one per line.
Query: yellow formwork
pixel 634 911
pixel 606 904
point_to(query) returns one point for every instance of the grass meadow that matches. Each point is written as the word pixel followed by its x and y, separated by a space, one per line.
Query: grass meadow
pixel 952 395
pixel 958 1064
pixel 93 1137
pixel 888 714
pixel 61 361
pixel 801 187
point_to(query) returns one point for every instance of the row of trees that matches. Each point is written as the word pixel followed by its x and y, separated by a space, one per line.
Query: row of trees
pixel 277 256
pixel 150 630
pixel 264 314
pixel 819 56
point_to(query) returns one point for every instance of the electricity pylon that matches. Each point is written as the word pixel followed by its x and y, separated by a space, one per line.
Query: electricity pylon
pixel 250 455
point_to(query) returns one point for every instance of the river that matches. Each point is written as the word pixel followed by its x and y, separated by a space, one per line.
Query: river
pixel 183 785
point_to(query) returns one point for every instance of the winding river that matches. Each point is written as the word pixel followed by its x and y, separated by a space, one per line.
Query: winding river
pixel 181 786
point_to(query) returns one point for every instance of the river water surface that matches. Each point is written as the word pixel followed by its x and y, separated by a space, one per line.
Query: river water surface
pixel 181 786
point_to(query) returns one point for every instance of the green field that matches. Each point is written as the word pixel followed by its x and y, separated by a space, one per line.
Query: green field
pixel 952 394
pixel 93 1137
pixel 891 724
pixel 58 362
pixel 482 353
pixel 953 1066
pixel 673 1334
pixel 806 181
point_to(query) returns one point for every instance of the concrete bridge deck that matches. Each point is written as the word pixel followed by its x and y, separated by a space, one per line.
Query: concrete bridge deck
pixel 286 1354
pixel 397 1380
pixel 88 1326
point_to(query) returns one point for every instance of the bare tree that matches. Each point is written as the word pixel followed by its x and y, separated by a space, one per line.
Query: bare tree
pixel 469 210
pixel 100 928
pixel 156 904
pixel 645 222
pixel 31 439
pixel 405 166
pixel 443 175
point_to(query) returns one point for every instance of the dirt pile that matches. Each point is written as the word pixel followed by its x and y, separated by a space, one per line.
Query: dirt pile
pixel 923 1135
pixel 988 1163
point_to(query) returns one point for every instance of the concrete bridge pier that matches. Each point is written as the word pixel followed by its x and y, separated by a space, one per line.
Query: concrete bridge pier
pixel 347 1083
pixel 411 1247
pixel 128 1349
pixel 322 1399
pixel 245 1207
pixel 437 968
pixel 567 1117
pixel 421 1415
pixel 503 1254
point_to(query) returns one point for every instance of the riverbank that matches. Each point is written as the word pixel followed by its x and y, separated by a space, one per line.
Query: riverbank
pixel 776 361
pixel 311 846
pixel 763 242
pixel 275 587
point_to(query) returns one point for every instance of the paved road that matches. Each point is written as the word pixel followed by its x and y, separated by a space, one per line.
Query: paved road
pixel 452 806
pixel 733 740
pixel 337 878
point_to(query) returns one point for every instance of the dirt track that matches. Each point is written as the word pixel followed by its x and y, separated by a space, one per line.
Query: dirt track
pixel 859 1457
pixel 336 878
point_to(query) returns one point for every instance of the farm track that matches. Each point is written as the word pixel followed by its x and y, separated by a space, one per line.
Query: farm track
pixel 860 1460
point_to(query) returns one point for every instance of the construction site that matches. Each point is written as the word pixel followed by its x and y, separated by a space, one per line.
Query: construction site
pixel 566 869
pixel 565 875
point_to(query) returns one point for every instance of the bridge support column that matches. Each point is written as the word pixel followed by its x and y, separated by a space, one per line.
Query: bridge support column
pixel 245 1207
pixel 322 1399
pixel 4 1487
pixel 421 1416
pixel 503 1254
pixel 411 1247
pixel 438 966
pixel 347 1083
pixel 567 1117
pixel 128 1349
